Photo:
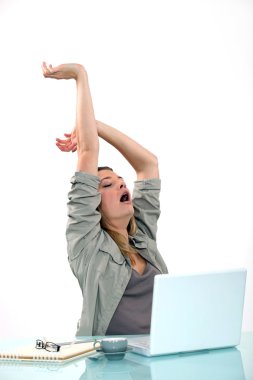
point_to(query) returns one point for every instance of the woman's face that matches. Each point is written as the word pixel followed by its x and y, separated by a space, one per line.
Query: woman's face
pixel 116 203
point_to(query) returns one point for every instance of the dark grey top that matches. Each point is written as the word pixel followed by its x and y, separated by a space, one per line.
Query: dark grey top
pixel 133 314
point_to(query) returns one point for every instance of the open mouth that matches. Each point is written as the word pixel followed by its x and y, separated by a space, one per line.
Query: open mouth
pixel 125 197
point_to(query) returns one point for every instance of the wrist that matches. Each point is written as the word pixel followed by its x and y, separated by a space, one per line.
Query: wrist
pixel 81 73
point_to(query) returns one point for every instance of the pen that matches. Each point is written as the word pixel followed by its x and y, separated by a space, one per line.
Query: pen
pixel 76 342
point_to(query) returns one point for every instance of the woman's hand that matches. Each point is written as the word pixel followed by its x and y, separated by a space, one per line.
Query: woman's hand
pixel 69 144
pixel 64 71
pixel 86 129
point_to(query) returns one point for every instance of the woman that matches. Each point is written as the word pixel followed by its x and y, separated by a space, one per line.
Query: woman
pixel 111 236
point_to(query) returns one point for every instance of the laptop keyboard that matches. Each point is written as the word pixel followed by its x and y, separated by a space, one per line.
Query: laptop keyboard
pixel 142 342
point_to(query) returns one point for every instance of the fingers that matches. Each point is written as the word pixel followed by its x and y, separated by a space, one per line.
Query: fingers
pixel 48 70
pixel 63 141
pixel 63 148
pixel 66 148
pixel 66 145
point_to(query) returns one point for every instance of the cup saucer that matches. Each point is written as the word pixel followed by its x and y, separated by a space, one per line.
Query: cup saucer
pixel 114 355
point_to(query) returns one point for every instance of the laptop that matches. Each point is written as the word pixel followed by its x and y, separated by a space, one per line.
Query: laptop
pixel 194 312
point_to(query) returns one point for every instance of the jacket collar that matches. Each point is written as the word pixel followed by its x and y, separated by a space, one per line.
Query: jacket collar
pixel 138 241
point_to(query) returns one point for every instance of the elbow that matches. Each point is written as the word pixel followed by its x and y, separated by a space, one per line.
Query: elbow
pixel 83 149
pixel 150 169
pixel 154 160
pixel 154 167
pixel 87 161
pixel 87 141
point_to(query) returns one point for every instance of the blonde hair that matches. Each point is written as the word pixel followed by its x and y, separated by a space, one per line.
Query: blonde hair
pixel 126 249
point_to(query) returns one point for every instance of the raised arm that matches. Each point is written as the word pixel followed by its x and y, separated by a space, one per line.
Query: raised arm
pixel 86 128
pixel 143 161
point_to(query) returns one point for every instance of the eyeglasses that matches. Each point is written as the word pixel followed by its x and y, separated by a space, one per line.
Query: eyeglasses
pixel 55 347
pixel 48 346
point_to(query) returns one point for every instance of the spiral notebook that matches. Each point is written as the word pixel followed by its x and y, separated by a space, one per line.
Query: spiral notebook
pixel 30 353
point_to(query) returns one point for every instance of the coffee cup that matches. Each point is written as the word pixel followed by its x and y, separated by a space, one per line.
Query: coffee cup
pixel 111 347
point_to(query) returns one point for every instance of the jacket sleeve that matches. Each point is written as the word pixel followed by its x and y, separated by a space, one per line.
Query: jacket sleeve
pixel 147 205
pixel 83 218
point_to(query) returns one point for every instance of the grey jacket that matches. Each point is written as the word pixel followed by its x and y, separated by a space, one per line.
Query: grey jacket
pixel 95 259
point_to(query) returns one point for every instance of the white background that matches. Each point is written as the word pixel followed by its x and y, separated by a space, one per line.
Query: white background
pixel 177 76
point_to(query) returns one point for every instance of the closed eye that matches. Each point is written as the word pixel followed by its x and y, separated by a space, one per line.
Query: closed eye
pixel 107 185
